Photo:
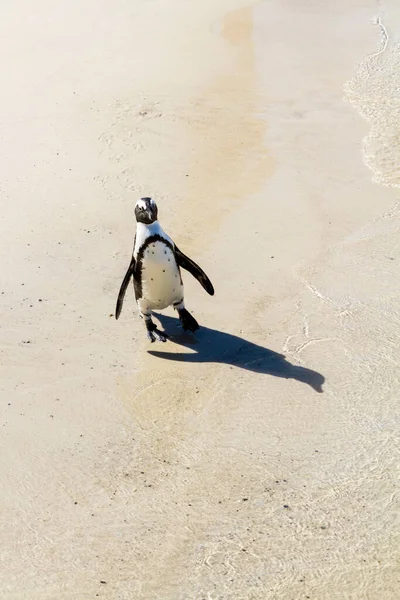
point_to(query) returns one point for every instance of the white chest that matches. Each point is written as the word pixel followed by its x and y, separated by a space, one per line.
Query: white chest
pixel 160 277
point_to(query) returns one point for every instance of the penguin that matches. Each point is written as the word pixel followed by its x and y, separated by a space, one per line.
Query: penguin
pixel 156 271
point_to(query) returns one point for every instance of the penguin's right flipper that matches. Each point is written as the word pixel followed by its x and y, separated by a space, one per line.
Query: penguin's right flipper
pixel 123 288
pixel 187 263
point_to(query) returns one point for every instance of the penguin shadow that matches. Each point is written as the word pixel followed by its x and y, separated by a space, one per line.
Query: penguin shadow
pixel 216 346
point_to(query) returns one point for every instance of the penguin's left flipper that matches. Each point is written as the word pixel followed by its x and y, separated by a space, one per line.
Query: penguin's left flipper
pixel 123 288
pixel 187 263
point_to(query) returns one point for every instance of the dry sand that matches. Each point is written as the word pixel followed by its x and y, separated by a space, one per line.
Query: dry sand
pixel 212 469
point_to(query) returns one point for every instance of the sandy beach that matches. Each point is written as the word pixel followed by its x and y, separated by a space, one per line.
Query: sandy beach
pixel 257 460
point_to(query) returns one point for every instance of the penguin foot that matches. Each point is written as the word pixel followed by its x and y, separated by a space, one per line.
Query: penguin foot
pixel 155 334
pixel 188 322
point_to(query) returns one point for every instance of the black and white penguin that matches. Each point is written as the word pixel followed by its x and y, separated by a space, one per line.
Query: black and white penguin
pixel 155 269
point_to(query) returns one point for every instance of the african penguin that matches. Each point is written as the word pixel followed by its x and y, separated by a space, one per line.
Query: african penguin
pixel 155 269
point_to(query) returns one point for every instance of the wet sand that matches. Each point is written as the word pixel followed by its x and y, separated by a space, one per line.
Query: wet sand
pixel 258 460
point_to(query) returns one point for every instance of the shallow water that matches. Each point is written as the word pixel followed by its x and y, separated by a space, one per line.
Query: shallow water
pixel 374 91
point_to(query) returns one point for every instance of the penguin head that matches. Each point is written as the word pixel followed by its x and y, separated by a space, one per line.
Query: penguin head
pixel 146 211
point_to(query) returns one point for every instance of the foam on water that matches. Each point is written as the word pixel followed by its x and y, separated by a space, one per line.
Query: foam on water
pixel 375 92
